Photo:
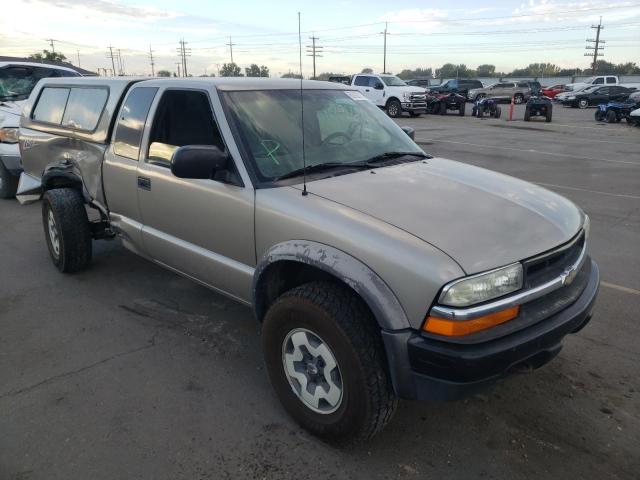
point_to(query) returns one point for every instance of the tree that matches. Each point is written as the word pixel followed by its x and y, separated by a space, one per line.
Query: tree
pixel 49 56
pixel 407 74
pixel 486 70
pixel 230 70
pixel 449 70
pixel 325 75
pixel 257 71
pixel 291 75
pixel 164 73
pixel 367 70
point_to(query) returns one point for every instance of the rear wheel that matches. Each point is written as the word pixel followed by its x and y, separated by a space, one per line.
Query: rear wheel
pixel 549 114
pixel 474 111
pixel 325 357
pixel 66 229
pixel 461 109
pixel 443 108
pixel 394 109
pixel 497 113
pixel 598 115
pixel 436 109
pixel 8 183
pixel 480 111
pixel 518 98
pixel 611 117
pixel 527 114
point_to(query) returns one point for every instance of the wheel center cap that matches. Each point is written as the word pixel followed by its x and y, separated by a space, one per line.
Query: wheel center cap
pixel 312 369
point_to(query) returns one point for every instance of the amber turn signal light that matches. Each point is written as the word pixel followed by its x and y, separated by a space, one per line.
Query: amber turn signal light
pixel 456 328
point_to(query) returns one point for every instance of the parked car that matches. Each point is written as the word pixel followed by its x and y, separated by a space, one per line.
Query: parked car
pixel 364 295
pixel 391 94
pixel 460 86
pixel 440 103
pixel 634 117
pixel 520 91
pixel 595 96
pixel 615 111
pixel 553 90
pixel 538 106
pixel 418 82
pixel 635 96
pixel 17 79
pixel 346 79
pixel 592 81
pixel 486 106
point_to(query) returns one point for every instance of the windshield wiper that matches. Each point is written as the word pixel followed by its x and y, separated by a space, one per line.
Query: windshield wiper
pixel 373 162
pixel 9 97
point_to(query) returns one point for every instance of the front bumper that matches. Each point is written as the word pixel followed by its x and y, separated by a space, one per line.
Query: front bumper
pixel 414 107
pixel 428 369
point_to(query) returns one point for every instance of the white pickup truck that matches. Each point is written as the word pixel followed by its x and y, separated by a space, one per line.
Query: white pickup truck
pixel 597 80
pixel 391 94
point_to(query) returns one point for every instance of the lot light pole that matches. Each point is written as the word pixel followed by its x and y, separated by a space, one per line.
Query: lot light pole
pixel 384 58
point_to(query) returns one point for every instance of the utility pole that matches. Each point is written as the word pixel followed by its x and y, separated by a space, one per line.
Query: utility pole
pixel 231 44
pixel 183 52
pixel 596 48
pixel 178 64
pixel 78 52
pixel 112 57
pixel 53 47
pixel 153 73
pixel 120 64
pixel 384 61
pixel 314 53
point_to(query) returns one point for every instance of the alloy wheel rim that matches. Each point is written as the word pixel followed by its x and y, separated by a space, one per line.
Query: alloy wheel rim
pixel 393 110
pixel 54 238
pixel 312 371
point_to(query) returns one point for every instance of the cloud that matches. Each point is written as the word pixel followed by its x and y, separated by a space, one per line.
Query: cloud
pixel 109 8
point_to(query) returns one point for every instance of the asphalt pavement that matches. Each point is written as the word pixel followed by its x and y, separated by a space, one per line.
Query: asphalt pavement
pixel 129 371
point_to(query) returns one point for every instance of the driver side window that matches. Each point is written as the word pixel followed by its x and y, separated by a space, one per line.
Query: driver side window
pixel 183 117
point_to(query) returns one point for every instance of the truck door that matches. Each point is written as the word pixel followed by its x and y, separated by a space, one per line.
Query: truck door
pixel 361 83
pixel 119 169
pixel 201 228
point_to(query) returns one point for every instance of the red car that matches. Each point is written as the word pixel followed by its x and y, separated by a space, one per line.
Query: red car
pixel 552 91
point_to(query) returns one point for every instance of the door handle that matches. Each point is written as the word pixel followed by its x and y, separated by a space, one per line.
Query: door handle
pixel 144 183
pixel 366 89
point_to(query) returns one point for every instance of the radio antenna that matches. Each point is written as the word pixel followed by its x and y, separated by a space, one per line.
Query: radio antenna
pixel 304 158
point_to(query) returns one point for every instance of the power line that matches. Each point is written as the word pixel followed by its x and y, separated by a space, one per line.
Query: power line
pixel 596 49
pixel 314 52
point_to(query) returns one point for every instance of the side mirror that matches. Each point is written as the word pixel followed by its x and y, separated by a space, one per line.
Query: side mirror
pixel 198 161
pixel 409 131
pixel 379 86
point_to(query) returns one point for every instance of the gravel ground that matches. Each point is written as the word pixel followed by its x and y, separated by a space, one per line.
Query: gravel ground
pixel 129 371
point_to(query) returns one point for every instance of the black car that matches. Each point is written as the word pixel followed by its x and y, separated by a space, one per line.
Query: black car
pixel 418 82
pixel 460 86
pixel 596 96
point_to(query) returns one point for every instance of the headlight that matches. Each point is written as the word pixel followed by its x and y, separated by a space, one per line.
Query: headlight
pixel 8 135
pixel 482 287
pixel 572 97
pixel 406 95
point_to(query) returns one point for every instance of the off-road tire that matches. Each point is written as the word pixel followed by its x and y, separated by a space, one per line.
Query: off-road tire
pixel 342 320
pixel 8 183
pixel 549 116
pixel 480 111
pixel 527 114
pixel 474 111
pixel 598 115
pixel 461 109
pixel 443 108
pixel 435 110
pixel 497 113
pixel 394 108
pixel 518 99
pixel 72 228
pixel 611 117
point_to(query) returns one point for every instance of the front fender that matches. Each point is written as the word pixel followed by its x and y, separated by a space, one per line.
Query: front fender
pixel 382 302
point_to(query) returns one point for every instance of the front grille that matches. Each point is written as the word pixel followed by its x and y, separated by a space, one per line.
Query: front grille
pixel 417 97
pixel 550 265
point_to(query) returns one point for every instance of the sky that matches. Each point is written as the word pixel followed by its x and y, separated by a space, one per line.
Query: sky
pixel 506 34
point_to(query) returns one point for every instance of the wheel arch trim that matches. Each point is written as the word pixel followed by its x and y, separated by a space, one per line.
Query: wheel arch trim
pixel 378 296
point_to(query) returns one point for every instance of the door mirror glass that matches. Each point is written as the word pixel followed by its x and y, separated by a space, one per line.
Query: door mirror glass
pixel 378 86
pixel 198 161
pixel 409 131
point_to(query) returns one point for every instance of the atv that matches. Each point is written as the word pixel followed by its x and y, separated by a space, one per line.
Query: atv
pixel 439 103
pixel 538 106
pixel 615 111
pixel 488 106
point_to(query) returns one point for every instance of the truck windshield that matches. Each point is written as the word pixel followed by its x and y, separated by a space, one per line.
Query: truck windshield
pixel 340 128
pixel 392 81
pixel 16 82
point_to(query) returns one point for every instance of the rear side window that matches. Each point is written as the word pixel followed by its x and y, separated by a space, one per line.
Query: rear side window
pixel 611 79
pixel 84 108
pixel 131 120
pixel 51 104
pixel 362 81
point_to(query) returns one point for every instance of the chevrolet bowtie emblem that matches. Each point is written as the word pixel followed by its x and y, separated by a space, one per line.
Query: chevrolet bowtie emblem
pixel 569 276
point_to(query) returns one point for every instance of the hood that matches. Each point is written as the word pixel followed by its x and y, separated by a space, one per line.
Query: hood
pixel 407 88
pixel 10 112
pixel 480 218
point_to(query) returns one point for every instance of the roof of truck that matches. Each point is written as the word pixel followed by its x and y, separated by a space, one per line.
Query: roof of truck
pixel 220 83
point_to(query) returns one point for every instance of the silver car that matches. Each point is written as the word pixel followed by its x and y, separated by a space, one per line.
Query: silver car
pixel 377 271
pixel 519 91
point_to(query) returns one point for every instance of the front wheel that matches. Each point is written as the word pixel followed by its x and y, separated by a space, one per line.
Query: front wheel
pixel 8 183
pixel 394 109
pixel 599 115
pixel 611 117
pixel 583 103
pixel 66 228
pixel 326 360
pixel 518 98
pixel 527 114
